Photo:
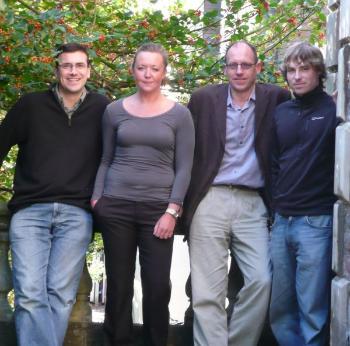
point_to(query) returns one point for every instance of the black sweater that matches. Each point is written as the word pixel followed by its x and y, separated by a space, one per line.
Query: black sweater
pixel 303 155
pixel 56 161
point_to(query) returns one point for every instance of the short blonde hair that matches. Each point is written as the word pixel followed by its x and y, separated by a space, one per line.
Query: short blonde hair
pixel 153 48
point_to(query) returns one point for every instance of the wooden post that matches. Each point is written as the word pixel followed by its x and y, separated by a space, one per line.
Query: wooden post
pixel 6 313
pixel 82 311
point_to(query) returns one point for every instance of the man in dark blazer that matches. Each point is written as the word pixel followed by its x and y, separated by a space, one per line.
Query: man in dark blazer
pixel 224 210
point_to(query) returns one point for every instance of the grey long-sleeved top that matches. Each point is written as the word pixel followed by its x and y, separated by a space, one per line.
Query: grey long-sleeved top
pixel 145 158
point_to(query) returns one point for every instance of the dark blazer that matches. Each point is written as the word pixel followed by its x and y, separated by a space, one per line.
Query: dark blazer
pixel 208 106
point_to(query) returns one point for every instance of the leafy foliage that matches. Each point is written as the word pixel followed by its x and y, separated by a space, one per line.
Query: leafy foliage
pixel 30 31
pixel 94 258
pixel 6 175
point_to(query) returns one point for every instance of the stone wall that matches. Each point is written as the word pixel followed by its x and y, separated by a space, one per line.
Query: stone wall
pixel 338 65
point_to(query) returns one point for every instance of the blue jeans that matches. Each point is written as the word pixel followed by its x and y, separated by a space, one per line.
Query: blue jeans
pixel 48 246
pixel 301 251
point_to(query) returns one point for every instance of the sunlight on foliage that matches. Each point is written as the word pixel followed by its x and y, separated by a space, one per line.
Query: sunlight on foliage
pixel 31 30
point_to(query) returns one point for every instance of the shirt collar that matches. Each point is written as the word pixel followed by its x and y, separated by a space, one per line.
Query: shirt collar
pixel 252 97
pixel 60 98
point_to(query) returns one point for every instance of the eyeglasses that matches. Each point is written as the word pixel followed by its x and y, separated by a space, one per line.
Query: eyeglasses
pixel 80 66
pixel 244 66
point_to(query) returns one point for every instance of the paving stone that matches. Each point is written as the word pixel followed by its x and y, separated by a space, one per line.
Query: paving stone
pixel 331 82
pixel 332 39
pixel 339 312
pixel 344 20
pixel 343 84
pixel 342 162
pixel 333 4
pixel 341 239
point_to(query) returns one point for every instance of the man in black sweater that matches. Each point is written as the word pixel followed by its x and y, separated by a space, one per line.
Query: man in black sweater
pixel 302 189
pixel 59 147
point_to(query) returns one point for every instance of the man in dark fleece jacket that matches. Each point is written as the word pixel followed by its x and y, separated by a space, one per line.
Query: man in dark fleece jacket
pixel 59 141
pixel 302 189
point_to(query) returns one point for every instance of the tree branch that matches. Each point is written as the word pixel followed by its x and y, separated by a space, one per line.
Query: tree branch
pixel 290 32
pixel 5 189
pixel 28 7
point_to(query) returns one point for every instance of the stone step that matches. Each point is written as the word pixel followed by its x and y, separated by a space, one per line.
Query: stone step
pixel 90 334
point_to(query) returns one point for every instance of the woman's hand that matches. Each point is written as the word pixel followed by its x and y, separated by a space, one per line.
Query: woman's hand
pixel 93 203
pixel 164 228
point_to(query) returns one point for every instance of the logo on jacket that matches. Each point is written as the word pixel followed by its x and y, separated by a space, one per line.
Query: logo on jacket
pixel 317 118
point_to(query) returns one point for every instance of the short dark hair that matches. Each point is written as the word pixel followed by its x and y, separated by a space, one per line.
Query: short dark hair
pixel 153 48
pixel 71 48
pixel 304 52
pixel 253 49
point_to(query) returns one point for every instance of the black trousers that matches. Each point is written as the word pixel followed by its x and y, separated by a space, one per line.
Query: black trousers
pixel 126 225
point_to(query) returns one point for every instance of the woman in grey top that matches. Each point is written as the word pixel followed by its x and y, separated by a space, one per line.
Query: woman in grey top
pixel 148 143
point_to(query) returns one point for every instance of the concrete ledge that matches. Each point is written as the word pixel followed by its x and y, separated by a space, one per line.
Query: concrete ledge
pixel 91 334
pixel 7 334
